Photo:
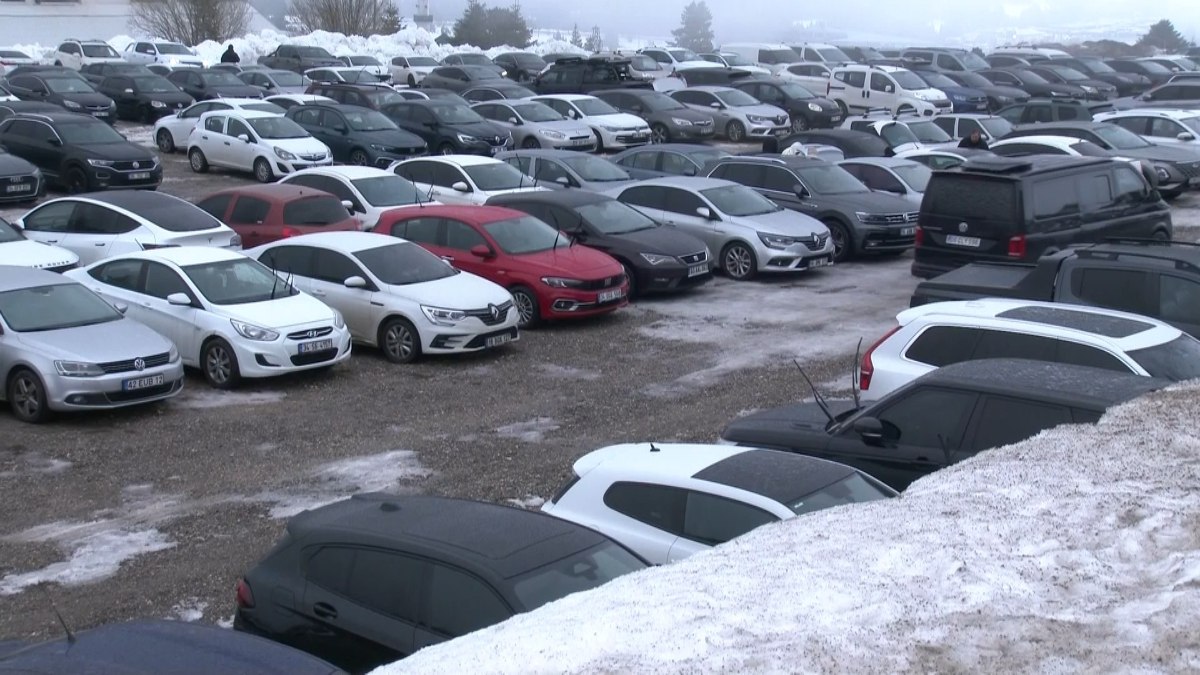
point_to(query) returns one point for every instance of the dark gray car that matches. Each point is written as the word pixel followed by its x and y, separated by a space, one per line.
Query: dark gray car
pixel 669 119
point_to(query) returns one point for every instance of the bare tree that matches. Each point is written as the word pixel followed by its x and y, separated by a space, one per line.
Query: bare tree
pixel 349 17
pixel 190 21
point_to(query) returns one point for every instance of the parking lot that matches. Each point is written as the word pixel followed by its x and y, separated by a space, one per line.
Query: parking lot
pixel 155 511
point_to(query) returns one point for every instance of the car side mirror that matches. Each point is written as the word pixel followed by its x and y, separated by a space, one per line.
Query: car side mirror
pixel 1147 97
pixel 689 171
pixel 1185 136
pixel 514 121
pixel 705 212
pixel 716 106
pixel 122 307
pixel 564 181
pixel 355 282
pixel 460 187
pixel 243 138
pixel 179 300
pixel 870 430
pixel 572 114
pixel 348 205
pixel 800 190
pixel 482 251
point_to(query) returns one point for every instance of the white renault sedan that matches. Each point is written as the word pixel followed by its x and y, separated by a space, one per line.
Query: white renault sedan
pixel 261 143
pixel 396 295
pixel 228 315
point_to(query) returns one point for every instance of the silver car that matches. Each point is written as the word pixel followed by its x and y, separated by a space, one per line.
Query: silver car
pixel 738 115
pixel 537 125
pixel 752 233
pixel 568 169
pixel 901 177
pixel 274 82
pixel 64 348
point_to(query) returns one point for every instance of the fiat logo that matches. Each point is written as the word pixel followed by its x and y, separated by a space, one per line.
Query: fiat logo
pixel 962 227
pixel 139 364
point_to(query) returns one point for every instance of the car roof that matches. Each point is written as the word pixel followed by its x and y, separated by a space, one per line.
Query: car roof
pixel 1157 112
pixel 568 198
pixel 347 171
pixel 890 162
pixel 1061 125
pixel 790 161
pixel 57 117
pixel 135 201
pixel 710 88
pixel 1046 139
pixel 458 160
pixel 476 215
pixel 276 192
pixel 504 539
pixel 244 113
pixel 565 97
pixel 1062 382
pixel 1021 167
pixel 346 241
pixel 694 183
pixel 13 277
pixel 677 147
pixel 187 255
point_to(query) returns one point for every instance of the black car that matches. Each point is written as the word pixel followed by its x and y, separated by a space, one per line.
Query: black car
pixel 1038 110
pixel 374 578
pixel 157 647
pixel 852 143
pixel 373 96
pixel 1127 84
pixel 495 92
pixel 144 97
pixel 1058 73
pixel 998 95
pixel 944 416
pixel 50 71
pixel 432 94
pixel 96 72
pixel 20 181
pixel 1009 209
pixel 1154 72
pixel 804 108
pixel 450 128
pixel 357 135
pixel 520 66
pixel 655 258
pixel 460 78
pixel 205 84
pixel 72 93
pixel 10 108
pixel 1032 83
pixel 670 121
pixel 80 153
pixel 582 75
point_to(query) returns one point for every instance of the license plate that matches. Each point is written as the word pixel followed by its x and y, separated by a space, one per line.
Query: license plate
pixel 100 114
pixel 497 340
pixel 820 262
pixel 835 118
pixel 608 296
pixel 909 231
pixel 24 187
pixel 306 347
pixel 955 240
pixel 142 383
pixel 140 175
pixel 697 270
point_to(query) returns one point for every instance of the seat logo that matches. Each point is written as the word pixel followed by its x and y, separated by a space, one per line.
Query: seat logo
pixel 962 227
pixel 139 364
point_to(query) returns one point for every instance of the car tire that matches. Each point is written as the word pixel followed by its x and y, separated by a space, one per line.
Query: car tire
pixel 842 106
pixel 528 314
pixel 164 141
pixel 359 157
pixel 659 133
pixel 27 397
pixel 530 143
pixel 197 161
pixel 799 123
pixel 599 140
pixel 75 181
pixel 399 340
pixel 906 108
pixel 447 149
pixel 632 279
pixel 262 171
pixel 738 261
pixel 843 240
pixel 1161 235
pixel 412 81
pixel 735 132
pixel 219 364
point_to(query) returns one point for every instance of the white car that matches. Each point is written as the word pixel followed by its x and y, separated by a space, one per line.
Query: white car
pixel 396 295
pixel 674 58
pixel 897 89
pixel 342 74
pixel 165 52
pixel 172 131
pixel 941 333
pixel 370 191
pixel 289 101
pixel 1158 125
pixel 614 129
pixel 19 251
pixel 11 57
pixel 76 54
pixel 261 143
pixel 368 64
pixel 102 224
pixel 902 177
pixel 669 501
pixel 228 315
pixel 411 69
pixel 810 75
pixel 463 179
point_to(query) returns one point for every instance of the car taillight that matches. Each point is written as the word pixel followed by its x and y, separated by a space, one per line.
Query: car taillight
pixel 245 597
pixel 867 369
pixel 918 237
pixel 291 232
pixel 1016 246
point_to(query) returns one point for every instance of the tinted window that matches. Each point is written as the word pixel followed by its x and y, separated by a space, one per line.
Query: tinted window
pixel 250 210
pixel 655 505
pixel 314 211
pixel 714 520
pixel 93 219
pixel 1095 191
pixel 215 124
pixel 387 583
pixel 421 230
pixel 1005 420
pixel 682 202
pixel 581 571
pixel 646 197
pixel 120 273
pixel 1176 360
pixel 1179 299
pixel 1130 184
pixel 460 603
pixel 215 206
pixel 404 263
pixel 334 267
pixel 1055 197
pixel 1116 289
pixel 967 197
pixel 462 236
pixel 1086 355
pixel 330 568
pixel 162 281
pixel 51 217
pixel 290 259
pixel 943 345
pixel 678 165
pixel 996 344
pixel 928 418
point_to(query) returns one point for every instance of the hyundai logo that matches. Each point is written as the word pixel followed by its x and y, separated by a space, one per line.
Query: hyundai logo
pixel 962 227
pixel 495 311
pixel 312 333
pixel 139 364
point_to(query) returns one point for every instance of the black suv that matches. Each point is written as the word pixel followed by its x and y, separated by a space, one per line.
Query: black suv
pixel 1010 209
pixel 1053 110
pixel 79 152
pixel 581 75
pixel 944 416
pixel 804 108
pixel 144 97
pixel 368 580
pixel 205 84
pixel 373 96
pixel 357 135
pixel 74 94
pixel 520 66
pixel 450 128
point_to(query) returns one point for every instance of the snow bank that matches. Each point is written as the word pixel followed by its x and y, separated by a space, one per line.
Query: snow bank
pixel 1078 550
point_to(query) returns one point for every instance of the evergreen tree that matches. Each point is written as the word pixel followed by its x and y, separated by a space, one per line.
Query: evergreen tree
pixel 576 38
pixel 595 41
pixel 487 27
pixel 1164 36
pixel 695 28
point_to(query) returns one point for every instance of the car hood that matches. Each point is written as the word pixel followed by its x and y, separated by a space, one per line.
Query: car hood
pixel 1162 153
pixel 1006 91
pixel 928 94
pixel 478 129
pixel 280 313
pixel 784 221
pixel 870 202
pixel 85 98
pixel 99 343
pixel 662 240
pixel 305 146
pixel 235 91
pixel 28 253
pixel 790 426
pixel 120 151
pixel 571 261
pixel 12 165
pixel 962 92
pixel 683 114
pixel 460 291
pixel 618 121
pixel 392 137
pixel 761 110
pixel 568 127
pixel 600 186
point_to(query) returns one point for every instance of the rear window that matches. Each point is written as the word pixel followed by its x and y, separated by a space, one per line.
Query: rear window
pixel 966 196
pixel 176 215
pixel 314 211
pixel 1176 360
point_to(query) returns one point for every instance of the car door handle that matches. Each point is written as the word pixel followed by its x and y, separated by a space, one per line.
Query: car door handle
pixel 226 142
pixel 51 241
pixel 204 137
pixel 325 610
pixel 319 294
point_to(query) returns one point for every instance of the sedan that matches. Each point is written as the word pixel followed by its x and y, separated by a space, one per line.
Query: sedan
pixel 395 295
pixel 261 214
pixel 463 179
pixel 568 169
pixel 22 181
pixel 667 159
pixel 536 125
pixel 669 119
pixel 461 78
pixel 64 348
pixel 901 177
pixel 369 192
pixel 738 115
pixel 228 315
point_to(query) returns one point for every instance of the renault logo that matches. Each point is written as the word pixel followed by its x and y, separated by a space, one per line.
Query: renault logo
pixel 495 311
pixel 139 364
pixel 962 227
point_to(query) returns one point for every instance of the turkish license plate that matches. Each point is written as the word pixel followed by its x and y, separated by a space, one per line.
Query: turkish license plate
pixel 835 119
pixel 23 187
pixel 140 175
pixel 497 340
pixel 908 231
pixel 306 347
pixel 609 296
pixel 820 262
pixel 955 240
pixel 697 270
pixel 100 114
pixel 142 383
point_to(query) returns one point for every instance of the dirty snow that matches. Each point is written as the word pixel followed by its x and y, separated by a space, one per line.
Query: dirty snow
pixel 36 463
pixel 1075 551
pixel 207 397
pixel 530 502
pixel 189 610
pixel 92 557
pixel 530 431
pixel 337 480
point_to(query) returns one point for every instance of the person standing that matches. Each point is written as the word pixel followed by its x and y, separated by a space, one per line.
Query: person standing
pixel 975 140
pixel 230 56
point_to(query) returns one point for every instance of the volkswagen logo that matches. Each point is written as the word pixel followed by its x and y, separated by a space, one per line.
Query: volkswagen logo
pixel 15 179
pixel 139 364
pixel 137 165
pixel 495 312
pixel 962 227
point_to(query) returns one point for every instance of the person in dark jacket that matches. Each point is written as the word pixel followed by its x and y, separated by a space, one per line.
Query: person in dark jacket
pixel 975 140
pixel 770 146
pixel 230 56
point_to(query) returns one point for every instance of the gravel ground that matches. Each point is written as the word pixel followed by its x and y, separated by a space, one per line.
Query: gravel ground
pixel 155 511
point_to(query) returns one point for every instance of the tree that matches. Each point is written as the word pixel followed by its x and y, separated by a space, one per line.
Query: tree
pixel 576 38
pixel 1164 36
pixel 977 52
pixel 595 41
pixel 391 20
pixel 487 27
pixel 349 17
pixel 695 28
pixel 190 21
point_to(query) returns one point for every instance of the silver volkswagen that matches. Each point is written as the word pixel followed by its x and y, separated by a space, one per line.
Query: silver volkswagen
pixel 64 348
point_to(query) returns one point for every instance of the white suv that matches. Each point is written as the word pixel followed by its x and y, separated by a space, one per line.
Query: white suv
pixel 76 54
pixel 259 142
pixel 896 89
pixel 941 333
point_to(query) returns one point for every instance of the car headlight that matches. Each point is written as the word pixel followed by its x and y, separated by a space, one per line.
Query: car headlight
pixel 77 369
pixel 776 240
pixel 757 119
pixel 870 218
pixel 562 282
pixel 441 315
pixel 339 321
pixel 552 134
pixel 71 105
pixel 283 154
pixel 380 148
pixel 1058 93
pixel 252 332
pixel 1162 173
pixel 157 104
pixel 172 354
pixel 1089 89
pixel 656 259
pixel 814 107
pixel 464 138
pixel 100 162
pixel 681 122
pixel 611 130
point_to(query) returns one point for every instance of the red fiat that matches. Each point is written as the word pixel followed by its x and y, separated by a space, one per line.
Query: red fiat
pixel 262 214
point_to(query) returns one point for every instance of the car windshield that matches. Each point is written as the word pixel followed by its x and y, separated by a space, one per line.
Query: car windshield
pixel 973 80
pixel 998 127
pixel 355 76
pixel 364 61
pixel 526 234
pixel 404 263
pixel 1176 360
pixel 972 61
pixel 422 62
pixel 928 132
pixel 286 78
pixel 830 180
pixel 54 307
pixel 100 51
pixel 643 63
pixel 496 176
pixel 1067 73
pixel 733 60
pixel 579 572
pixel 314 53
pixel 68 85
pixel 537 112
pixel 1120 137
pixel 834 54
pixel 217 78
pixel 594 169
pixel 390 190
pixel 8 233
pixel 852 489
pixel 937 80
pixel 897 135
pixel 154 84
pixel 277 128
pixel 237 282
pixel 683 55
pixel 739 200
pixel 89 133
pixel 172 48
pixel 594 106
pixel 915 176
pixel 1030 77
pixel 263 107
pixel 368 120
pixel 908 80
pixel 454 113
pixel 1097 66
pixel 614 217
pixel 793 90
pixel 1192 123
pixel 737 98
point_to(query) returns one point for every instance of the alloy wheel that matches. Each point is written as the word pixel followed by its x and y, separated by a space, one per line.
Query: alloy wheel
pixel 27 398
pixel 164 141
pixel 399 342
pixel 738 262
pixel 218 364
pixel 659 134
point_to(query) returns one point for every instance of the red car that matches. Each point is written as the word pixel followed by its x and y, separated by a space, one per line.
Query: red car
pixel 265 213
pixel 548 275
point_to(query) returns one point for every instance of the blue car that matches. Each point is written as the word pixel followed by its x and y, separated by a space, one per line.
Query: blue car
pixel 963 99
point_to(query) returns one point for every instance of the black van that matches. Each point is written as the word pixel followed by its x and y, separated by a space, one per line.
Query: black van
pixel 1015 209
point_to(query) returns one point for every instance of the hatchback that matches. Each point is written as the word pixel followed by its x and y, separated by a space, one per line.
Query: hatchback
pixel 263 144
pixel 536 125
pixel 171 132
pixel 261 214
pixel 369 192
pixel 463 179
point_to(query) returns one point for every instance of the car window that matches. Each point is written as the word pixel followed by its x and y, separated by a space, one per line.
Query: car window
pixel 386 582
pixel 1095 191
pixel 420 230
pixel 713 520
pixel 1130 184
pixel 55 217
pixel 519 163
pixel 998 344
pixel 461 236
pixel 642 160
pixel 549 171
pixel 314 210
pixel 658 506
pixel 460 603
pixel 880 82
pixel 1055 197
pixel 1178 299
pixel 1006 420
pixel 943 345
pixel 290 259
pixel 95 219
pixel 647 197
pixel 677 164
pixel 1164 128
pixel 1087 355
pixel 875 177
pixel 124 274
pixel 249 211
pixel 330 568
pixel 682 202
pixel 308 116
pixel 215 124
pixel 239 128
pixel 1135 125
pixel 928 418
pixel 1113 288
pixel 334 267
pixel 162 281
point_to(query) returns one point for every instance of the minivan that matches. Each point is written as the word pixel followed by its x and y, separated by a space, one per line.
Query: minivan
pixel 1011 209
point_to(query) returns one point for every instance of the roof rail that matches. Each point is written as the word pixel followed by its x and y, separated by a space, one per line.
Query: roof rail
pixel 1149 241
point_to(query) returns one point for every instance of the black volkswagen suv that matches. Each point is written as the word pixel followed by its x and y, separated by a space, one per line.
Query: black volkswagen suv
pixel 79 152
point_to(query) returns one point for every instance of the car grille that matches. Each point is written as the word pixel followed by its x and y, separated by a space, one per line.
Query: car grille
pixel 1189 169
pixel 817 242
pixel 588 137
pixel 694 258
pixel 898 218
pixel 56 267
pixel 633 137
pixel 703 123
pixel 942 104
pixel 131 364
pixel 144 165
pixel 487 317
pixel 310 358
pixel 94 109
pixel 310 334
pixel 312 158
pixel 978 100
pixel 496 140
pixel 600 284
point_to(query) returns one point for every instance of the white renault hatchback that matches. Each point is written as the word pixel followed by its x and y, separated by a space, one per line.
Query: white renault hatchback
pixel 228 315
pixel 941 333
pixel 261 143
pixel 396 295
pixel 668 501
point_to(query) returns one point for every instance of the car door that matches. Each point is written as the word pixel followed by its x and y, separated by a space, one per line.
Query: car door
pixel 240 153
pixel 456 603
pixel 36 142
pixel 457 238
pixel 212 139
pixel 330 271
pixel 94 231
pixel 50 223
pixel 183 325
pixel 882 92
pixel 710 520
pixel 1002 420
pixel 335 132
pixel 648 199
pixel 248 219
pixel 679 210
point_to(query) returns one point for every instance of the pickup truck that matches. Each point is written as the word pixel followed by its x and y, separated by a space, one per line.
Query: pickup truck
pixel 298 58
pixel 1151 278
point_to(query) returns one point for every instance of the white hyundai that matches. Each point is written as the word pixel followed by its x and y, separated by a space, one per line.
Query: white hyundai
pixel 463 179
pixel 229 316
pixel 261 143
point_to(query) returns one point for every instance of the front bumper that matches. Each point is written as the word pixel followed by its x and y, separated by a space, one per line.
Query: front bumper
pixel 283 167
pixel 696 270
pixel 796 257
pixel 484 149
pixel 566 303
pixel 826 119
pixel 112 179
pixel 762 130
pixel 283 355
pixel 581 144
pixel 109 391
pixel 448 341
pixel 884 239
pixel 693 132
pixel 623 138
pixel 385 159
pixel 22 188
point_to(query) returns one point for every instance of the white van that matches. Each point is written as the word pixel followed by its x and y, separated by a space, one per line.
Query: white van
pixel 763 54
pixel 897 89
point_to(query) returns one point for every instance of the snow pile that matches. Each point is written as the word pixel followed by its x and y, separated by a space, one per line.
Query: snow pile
pixel 1078 550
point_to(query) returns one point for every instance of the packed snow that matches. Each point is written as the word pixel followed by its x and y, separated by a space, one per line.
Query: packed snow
pixel 189 610
pixel 1075 551
pixel 529 431
pixel 93 557
pixel 389 471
